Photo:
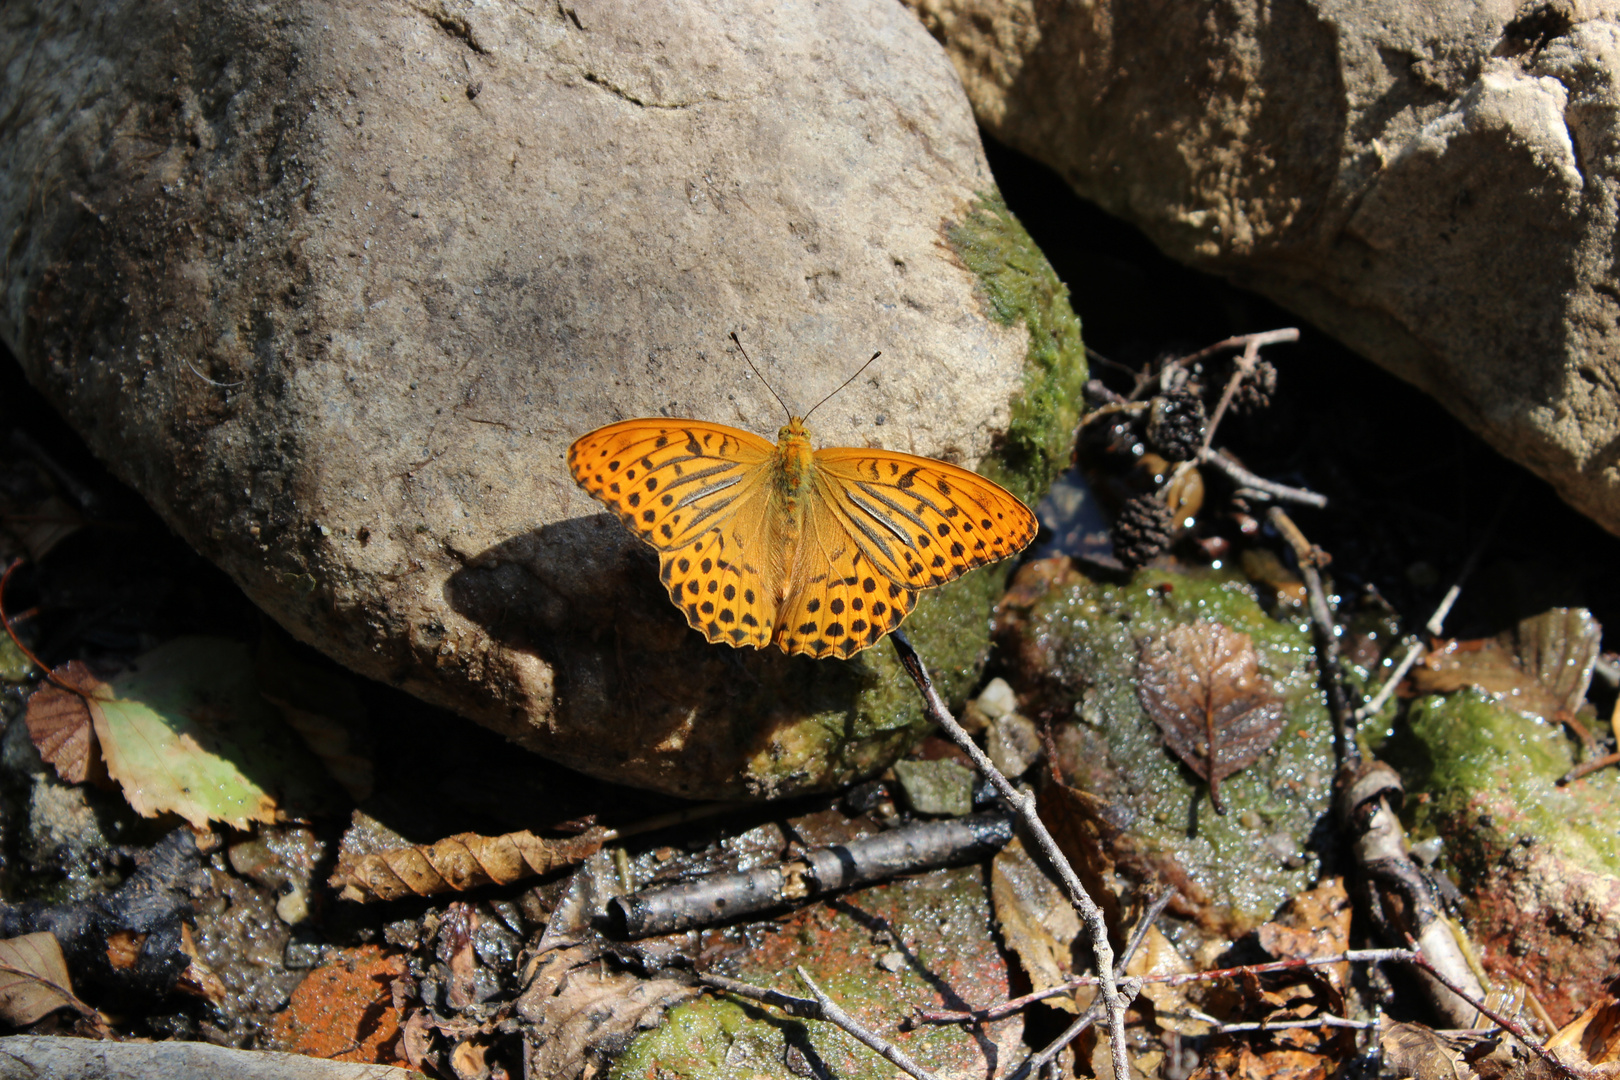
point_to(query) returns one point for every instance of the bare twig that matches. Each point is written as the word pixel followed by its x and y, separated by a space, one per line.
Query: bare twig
pixel 714 898
pixel 1023 804
pixel 1223 461
pixel 1242 341
pixel 834 1015
pixel 1309 558
pixel 1007 1008
pixel 50 677
pixel 1240 370
pixel 1036 1062
pixel 1376 702
pixel 1587 767
pixel 1274 1025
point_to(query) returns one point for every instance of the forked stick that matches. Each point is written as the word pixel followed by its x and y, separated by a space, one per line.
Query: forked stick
pixel 1023 804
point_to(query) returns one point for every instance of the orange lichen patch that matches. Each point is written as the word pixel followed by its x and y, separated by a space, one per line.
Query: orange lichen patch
pixel 345 1011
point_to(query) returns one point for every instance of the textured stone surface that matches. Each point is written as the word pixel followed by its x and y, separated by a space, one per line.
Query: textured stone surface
pixel 1435 184
pixel 335 286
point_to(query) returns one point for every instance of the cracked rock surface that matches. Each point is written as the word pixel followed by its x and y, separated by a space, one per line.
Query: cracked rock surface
pixel 1436 184
pixel 335 286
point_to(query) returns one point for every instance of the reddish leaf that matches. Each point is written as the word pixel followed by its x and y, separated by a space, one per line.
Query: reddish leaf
pixel 59 722
pixel 1202 685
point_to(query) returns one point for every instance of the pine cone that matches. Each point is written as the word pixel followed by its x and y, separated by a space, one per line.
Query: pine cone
pixel 1175 427
pixel 1141 531
pixel 1254 393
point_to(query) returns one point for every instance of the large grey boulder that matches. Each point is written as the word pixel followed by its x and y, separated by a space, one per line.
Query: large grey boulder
pixel 1434 183
pixel 335 285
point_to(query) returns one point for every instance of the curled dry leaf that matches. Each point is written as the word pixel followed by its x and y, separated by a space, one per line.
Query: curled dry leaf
pixel 1591 1041
pixel 584 1011
pixel 1201 683
pixel 59 721
pixel 460 862
pixel 1543 665
pixel 1423 1053
pixel 1036 920
pixel 34 979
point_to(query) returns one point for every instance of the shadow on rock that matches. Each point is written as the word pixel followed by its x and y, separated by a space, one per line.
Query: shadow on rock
pixel 637 695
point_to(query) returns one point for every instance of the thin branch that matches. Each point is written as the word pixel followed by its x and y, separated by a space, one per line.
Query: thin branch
pixel 1036 1062
pixel 1007 1008
pixel 1422 963
pixel 1376 702
pixel 1587 767
pixel 1326 630
pixel 1220 1028
pixel 819 1007
pixel 1223 461
pixel 834 1015
pixel 50 677
pixel 1240 370
pixel 1023 804
pixel 1242 341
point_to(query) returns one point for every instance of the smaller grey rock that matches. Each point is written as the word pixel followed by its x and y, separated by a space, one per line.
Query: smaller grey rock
pixel 936 787
pixel 996 699
pixel 1013 744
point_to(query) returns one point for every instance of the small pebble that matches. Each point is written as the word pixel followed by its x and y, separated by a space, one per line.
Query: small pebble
pixel 893 960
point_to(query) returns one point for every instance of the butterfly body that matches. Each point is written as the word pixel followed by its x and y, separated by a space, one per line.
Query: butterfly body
pixel 820 552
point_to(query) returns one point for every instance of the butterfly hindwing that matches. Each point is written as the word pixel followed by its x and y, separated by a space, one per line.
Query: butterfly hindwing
pixel 919 521
pixel 722 596
pixel 844 610
pixel 670 481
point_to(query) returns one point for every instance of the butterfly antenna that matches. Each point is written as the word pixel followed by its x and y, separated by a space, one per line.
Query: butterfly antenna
pixel 845 383
pixel 762 378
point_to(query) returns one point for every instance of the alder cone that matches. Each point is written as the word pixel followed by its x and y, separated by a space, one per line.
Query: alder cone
pixel 1141 533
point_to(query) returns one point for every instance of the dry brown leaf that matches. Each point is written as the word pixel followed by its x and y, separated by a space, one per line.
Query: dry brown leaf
pixel 1201 683
pixel 1159 956
pixel 467 1060
pixel 1080 825
pixel 59 722
pixel 124 949
pixel 1036 920
pixel 34 979
pixel 1313 924
pixel 458 863
pixel 1543 665
pixel 583 1011
pixel 1423 1053
pixel 1592 1040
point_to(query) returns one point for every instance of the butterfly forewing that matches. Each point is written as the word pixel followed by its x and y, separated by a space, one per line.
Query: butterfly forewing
pixel 919 521
pixel 670 481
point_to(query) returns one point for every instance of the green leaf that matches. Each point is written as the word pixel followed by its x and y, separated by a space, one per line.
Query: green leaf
pixel 185 731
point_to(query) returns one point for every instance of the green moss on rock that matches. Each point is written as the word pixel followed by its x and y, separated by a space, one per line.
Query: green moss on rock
pixel 1490 775
pixel 1020 286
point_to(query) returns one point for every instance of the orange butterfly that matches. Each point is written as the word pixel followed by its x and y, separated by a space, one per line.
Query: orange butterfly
pixel 820 551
